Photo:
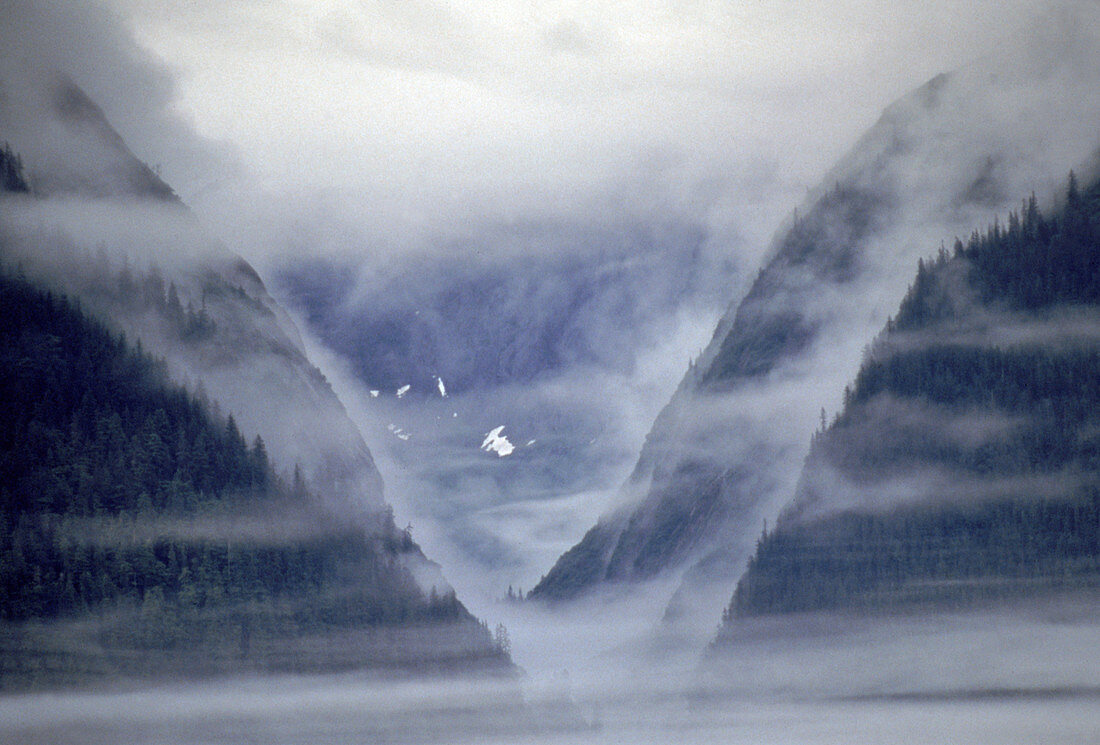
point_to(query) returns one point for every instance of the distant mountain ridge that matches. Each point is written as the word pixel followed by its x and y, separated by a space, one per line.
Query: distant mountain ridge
pixel 514 304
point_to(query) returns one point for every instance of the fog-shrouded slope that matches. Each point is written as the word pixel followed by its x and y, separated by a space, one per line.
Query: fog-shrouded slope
pixel 105 229
pixel 86 218
pixel 726 451
pixel 73 148
pixel 142 535
pixel 965 464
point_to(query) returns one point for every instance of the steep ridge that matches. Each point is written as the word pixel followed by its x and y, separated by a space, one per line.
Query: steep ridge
pixel 142 536
pixel 727 450
pixel 115 239
pixel 119 238
pixel 73 148
pixel 965 464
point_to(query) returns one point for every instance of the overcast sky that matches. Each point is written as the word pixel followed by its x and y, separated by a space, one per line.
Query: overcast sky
pixel 413 116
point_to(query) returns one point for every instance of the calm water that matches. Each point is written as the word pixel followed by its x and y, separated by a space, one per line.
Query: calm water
pixel 349 710
pixel 1027 676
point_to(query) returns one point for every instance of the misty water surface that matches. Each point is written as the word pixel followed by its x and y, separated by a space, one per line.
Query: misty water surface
pixel 1014 675
pixel 342 710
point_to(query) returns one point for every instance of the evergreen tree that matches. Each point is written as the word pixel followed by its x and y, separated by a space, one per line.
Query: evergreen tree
pixel 12 178
pixel 99 449
pixel 917 407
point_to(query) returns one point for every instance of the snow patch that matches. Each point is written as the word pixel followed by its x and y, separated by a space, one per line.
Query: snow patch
pixel 497 443
pixel 442 388
pixel 403 390
pixel 374 393
pixel 398 432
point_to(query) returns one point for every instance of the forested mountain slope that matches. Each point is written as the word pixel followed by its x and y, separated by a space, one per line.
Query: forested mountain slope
pixel 99 225
pixel 151 537
pixel 965 463
pixel 726 452
pixel 240 526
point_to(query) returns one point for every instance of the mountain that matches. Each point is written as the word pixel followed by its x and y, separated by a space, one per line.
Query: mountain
pixel 237 523
pixel 73 148
pixel 105 229
pixel 727 450
pixel 143 536
pixel 965 463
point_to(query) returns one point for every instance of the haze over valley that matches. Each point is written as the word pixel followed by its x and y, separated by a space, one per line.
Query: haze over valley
pixel 620 372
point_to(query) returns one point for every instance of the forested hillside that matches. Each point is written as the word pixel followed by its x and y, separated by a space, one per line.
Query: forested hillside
pixel 965 463
pixel 691 494
pixel 726 451
pixel 129 506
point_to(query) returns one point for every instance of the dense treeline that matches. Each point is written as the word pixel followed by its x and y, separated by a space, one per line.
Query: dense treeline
pixel 1034 263
pixel 965 463
pixel 1038 262
pixel 119 490
pixel 1042 402
pixel 950 554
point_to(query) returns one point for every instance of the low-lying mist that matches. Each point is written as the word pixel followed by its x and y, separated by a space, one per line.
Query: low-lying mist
pixel 994 677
